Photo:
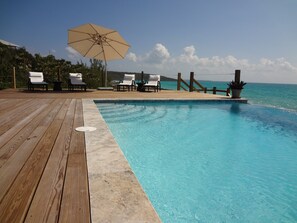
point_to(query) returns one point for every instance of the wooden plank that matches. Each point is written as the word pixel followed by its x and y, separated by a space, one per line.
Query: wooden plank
pixel 75 206
pixel 11 168
pixel 185 83
pixel 4 103
pixel 9 145
pixel 13 105
pixel 4 138
pixel 14 205
pixel 78 138
pixel 195 89
pixel 222 91
pixel 183 88
pixel 200 85
pixel 10 118
pixel 8 105
pixel 45 205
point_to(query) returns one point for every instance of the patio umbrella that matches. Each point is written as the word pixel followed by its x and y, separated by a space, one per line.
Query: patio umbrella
pixel 98 42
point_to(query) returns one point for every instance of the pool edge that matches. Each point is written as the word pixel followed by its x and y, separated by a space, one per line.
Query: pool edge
pixel 231 100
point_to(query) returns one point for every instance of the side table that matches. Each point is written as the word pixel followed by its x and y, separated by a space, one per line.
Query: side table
pixel 57 86
pixel 140 87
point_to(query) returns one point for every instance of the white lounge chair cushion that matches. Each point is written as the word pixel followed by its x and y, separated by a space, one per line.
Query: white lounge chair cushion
pixel 128 79
pixel 153 80
pixel 36 77
pixel 76 79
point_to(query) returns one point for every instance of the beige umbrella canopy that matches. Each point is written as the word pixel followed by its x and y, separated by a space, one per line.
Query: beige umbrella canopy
pixel 97 42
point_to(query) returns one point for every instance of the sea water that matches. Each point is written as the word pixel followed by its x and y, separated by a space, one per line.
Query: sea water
pixel 210 162
pixel 277 95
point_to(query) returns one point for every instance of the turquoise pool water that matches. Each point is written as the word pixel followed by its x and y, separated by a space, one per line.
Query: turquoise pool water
pixel 210 162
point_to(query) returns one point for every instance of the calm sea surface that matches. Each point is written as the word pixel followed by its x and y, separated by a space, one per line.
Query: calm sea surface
pixel 276 95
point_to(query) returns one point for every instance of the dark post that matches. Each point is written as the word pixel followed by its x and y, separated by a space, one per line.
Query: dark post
pixel 58 73
pixel 214 90
pixel 13 78
pixel 237 76
pixel 178 81
pixel 228 92
pixel 191 81
pixel 205 90
pixel 142 81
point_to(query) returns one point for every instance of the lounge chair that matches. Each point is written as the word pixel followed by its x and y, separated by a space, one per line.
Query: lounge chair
pixel 75 81
pixel 36 80
pixel 153 82
pixel 128 82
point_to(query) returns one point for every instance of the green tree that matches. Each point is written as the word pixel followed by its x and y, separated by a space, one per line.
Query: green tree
pixel 52 68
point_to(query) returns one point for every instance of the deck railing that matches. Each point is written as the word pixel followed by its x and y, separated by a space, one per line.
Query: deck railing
pixel 194 85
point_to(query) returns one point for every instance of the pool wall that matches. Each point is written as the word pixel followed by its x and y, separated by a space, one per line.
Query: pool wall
pixel 207 100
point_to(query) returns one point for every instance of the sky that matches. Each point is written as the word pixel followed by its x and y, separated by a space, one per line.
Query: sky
pixel 211 38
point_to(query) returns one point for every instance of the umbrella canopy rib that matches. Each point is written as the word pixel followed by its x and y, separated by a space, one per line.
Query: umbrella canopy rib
pixel 112 31
pixel 89 49
pixel 118 42
pixel 116 51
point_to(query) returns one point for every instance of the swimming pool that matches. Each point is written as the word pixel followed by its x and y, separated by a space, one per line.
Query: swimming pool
pixel 208 161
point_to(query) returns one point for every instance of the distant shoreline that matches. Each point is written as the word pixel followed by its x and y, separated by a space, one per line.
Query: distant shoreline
pixel 118 75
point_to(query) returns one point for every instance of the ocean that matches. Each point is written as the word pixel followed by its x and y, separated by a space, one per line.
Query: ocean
pixel 282 96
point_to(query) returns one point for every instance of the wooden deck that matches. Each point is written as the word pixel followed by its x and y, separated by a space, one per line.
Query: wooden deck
pixel 43 173
pixel 43 167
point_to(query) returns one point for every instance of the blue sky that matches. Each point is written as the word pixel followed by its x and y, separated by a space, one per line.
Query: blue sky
pixel 209 37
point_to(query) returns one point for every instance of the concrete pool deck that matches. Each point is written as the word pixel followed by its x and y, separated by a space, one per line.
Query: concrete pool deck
pixel 113 192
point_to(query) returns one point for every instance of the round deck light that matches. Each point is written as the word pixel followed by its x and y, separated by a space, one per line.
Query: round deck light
pixel 85 129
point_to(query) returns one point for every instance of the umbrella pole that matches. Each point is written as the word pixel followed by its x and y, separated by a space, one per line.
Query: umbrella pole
pixel 105 78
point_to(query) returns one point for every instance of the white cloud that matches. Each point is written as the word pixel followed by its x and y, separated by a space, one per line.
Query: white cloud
pixel 189 55
pixel 132 57
pixel 158 55
pixel 159 60
pixel 72 53
pixel 266 62
pixel 279 65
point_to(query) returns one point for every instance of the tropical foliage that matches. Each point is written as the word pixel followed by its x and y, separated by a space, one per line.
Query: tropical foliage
pixel 51 67
pixel 236 85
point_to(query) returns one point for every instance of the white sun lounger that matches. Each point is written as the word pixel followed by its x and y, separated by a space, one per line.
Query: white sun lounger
pixel 36 80
pixel 75 81
pixel 128 82
pixel 153 82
